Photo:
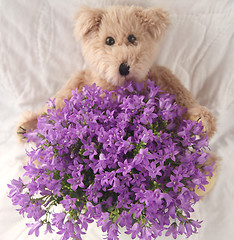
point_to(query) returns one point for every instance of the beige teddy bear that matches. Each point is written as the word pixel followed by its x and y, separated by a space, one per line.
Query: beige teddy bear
pixel 120 43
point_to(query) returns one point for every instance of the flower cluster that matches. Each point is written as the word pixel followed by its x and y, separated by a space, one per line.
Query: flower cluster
pixel 123 158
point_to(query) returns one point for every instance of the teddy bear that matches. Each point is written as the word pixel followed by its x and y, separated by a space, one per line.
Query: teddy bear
pixel 119 44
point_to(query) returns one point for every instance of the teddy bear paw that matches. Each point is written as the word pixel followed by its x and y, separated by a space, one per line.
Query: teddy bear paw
pixel 27 124
pixel 20 132
pixel 24 128
pixel 201 113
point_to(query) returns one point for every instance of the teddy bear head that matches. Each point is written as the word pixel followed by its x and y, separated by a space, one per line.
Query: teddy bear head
pixel 119 43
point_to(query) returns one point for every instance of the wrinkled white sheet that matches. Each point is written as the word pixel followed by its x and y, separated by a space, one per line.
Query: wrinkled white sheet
pixel 38 54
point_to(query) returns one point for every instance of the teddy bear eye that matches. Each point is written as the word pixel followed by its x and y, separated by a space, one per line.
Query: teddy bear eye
pixel 132 38
pixel 110 41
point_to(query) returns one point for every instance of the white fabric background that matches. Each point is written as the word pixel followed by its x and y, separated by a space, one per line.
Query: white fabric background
pixel 38 53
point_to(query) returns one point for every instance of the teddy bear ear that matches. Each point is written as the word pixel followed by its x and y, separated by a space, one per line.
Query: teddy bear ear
pixel 87 20
pixel 155 20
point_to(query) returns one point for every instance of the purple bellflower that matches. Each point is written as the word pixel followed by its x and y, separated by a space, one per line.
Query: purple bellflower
pixel 125 158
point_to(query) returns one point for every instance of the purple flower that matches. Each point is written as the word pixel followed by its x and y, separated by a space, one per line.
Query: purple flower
pixel 172 230
pixel 147 233
pixel 124 199
pixel 137 209
pixel 150 198
pixel 90 151
pixel 138 179
pixel 67 231
pixel 34 228
pixel 124 219
pixel 124 146
pixel 154 170
pixel 148 115
pixel 58 219
pixel 104 221
pixel 142 157
pixel 147 135
pixel 76 181
pixel 124 168
pixel 16 186
pixel 113 232
pixel 48 228
pixel 106 179
pixel 135 230
pixel 84 220
pixel 93 193
pixel 175 182
pixel 100 165
pixel 123 158
pixel 22 200
pixel 34 210
pixel 69 203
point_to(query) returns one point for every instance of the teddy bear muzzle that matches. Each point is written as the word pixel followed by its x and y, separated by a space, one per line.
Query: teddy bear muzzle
pixel 124 69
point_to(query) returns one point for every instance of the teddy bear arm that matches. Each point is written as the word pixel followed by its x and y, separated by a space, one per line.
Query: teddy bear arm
pixel 170 83
pixel 195 112
pixel 29 119
pixel 75 82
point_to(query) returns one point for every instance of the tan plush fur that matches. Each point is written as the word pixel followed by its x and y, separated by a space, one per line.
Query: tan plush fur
pixel 92 28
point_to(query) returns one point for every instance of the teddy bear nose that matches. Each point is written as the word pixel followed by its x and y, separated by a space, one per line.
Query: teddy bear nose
pixel 124 69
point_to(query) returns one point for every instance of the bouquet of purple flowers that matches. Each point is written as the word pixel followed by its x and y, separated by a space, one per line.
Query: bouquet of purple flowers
pixel 123 158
